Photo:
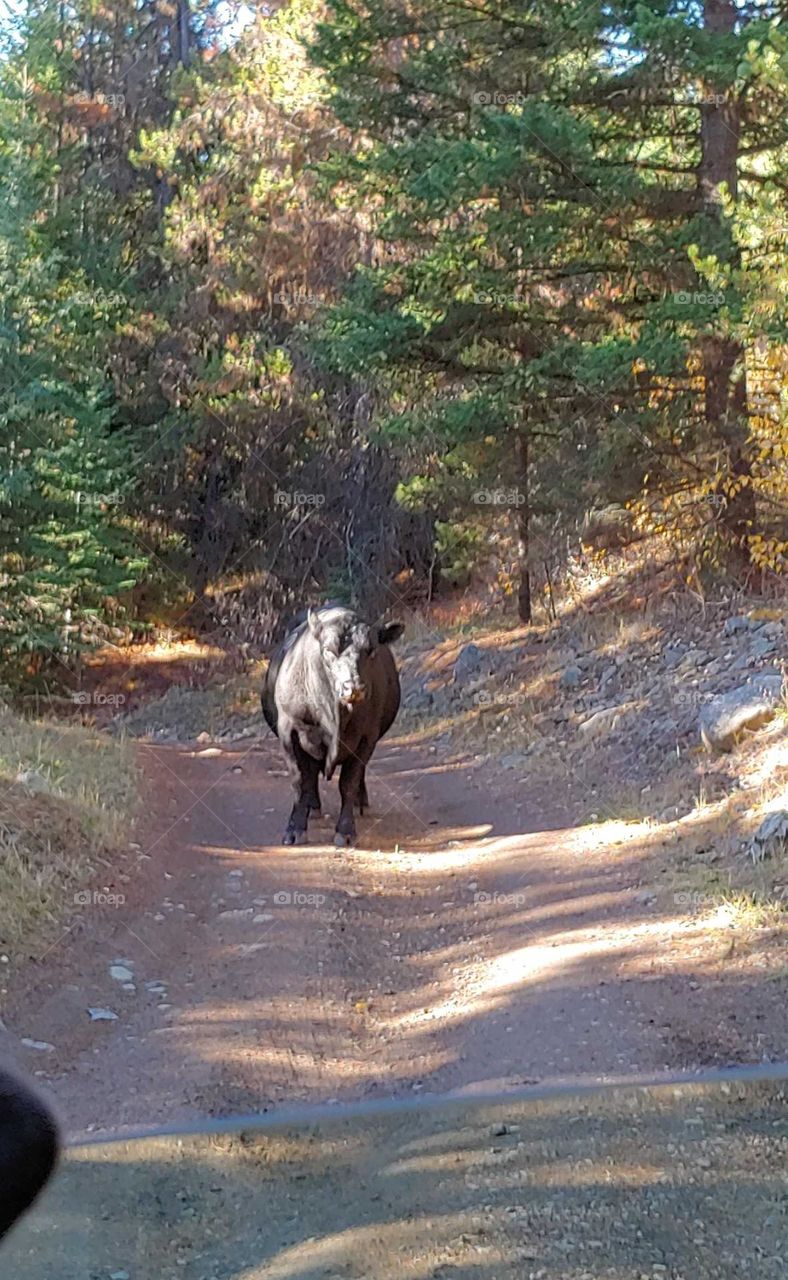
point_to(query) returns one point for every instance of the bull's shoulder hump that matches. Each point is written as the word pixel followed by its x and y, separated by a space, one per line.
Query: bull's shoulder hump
pixel 292 639
pixel 336 613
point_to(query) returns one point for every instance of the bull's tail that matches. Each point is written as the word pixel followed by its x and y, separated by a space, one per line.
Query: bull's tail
pixel 332 751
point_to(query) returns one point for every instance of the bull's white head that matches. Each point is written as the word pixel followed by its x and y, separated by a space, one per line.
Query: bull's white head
pixel 348 647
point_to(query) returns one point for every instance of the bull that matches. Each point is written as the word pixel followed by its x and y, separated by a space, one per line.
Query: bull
pixel 330 692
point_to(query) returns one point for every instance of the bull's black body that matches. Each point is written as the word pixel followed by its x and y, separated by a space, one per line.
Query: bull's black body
pixel 330 692
pixel 28 1147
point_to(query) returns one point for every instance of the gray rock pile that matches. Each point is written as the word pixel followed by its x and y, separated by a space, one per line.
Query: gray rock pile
pixel 647 700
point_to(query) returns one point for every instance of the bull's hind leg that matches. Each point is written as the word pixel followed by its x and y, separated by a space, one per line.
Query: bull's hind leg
pixel 305 771
pixel 363 797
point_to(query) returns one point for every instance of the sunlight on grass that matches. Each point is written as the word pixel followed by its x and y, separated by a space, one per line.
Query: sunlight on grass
pixel 67 797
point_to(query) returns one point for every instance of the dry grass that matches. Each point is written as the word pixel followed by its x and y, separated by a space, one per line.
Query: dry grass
pixel 57 827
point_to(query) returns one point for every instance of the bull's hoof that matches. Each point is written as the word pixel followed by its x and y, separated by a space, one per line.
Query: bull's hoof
pixel 342 842
pixel 294 837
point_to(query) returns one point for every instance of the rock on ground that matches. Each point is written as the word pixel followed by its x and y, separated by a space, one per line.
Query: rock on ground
pixel 471 662
pixel 771 834
pixel 749 706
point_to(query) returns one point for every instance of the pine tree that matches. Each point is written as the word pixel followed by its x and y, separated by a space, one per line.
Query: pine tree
pixel 66 553
pixel 556 193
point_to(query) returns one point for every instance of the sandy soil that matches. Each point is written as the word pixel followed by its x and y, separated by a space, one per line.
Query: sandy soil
pixel 470 942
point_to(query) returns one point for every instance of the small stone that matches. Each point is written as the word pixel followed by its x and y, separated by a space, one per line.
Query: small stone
pixel 120 973
pixel 771 835
pixel 471 661
pixel 733 626
pixel 512 759
pixel 599 721
pixel 102 1015
pixel 42 1046
pixel 570 678
pixel 772 630
pixel 32 780
pixel 702 658
pixel 762 647
pixel 418 699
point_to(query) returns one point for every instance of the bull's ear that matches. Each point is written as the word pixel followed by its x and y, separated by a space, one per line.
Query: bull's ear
pixel 315 625
pixel 391 632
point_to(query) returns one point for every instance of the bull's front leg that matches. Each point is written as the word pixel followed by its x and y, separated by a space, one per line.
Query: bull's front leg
pixel 304 772
pixel 351 779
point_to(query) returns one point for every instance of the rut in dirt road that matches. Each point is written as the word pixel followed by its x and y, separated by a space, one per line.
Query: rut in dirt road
pixel 454 949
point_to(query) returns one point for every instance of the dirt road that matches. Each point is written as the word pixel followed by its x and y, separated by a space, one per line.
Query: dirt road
pixel 667 1183
pixel 472 941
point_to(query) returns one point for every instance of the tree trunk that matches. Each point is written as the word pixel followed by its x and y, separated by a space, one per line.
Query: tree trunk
pixel 182 40
pixel 723 357
pixel 523 527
